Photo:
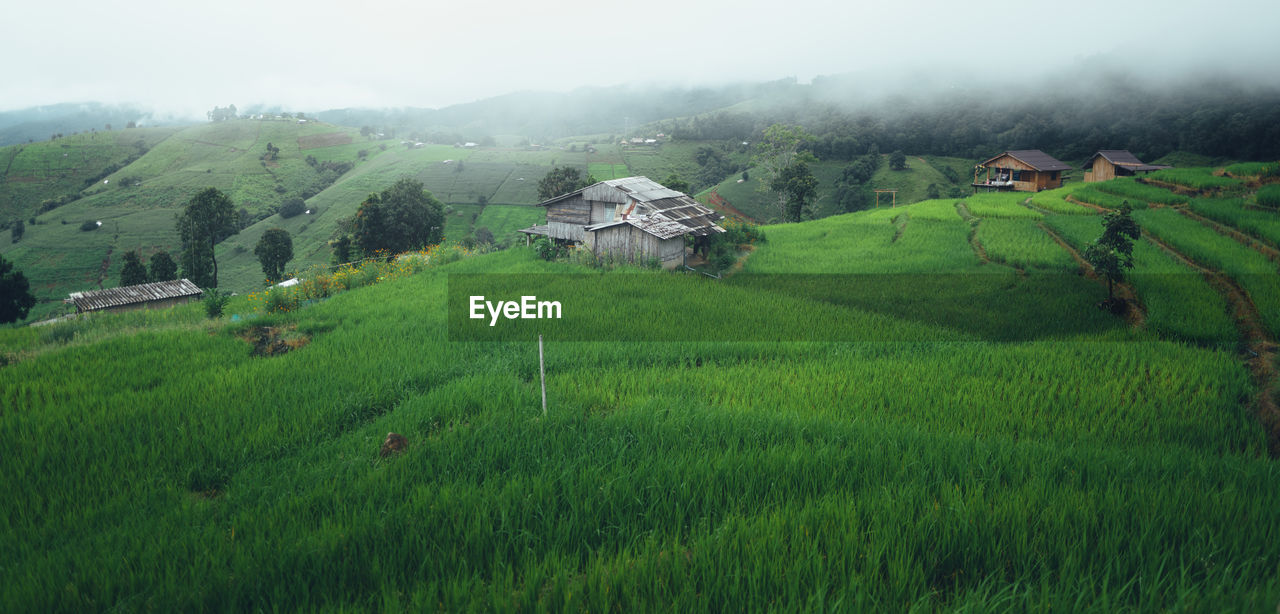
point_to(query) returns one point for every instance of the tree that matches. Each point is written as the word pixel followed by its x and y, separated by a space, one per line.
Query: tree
pixel 798 186
pixel 404 217
pixel 274 251
pixel 780 149
pixel 674 182
pixel 484 236
pixel 561 180
pixel 16 300
pixel 342 250
pixel 897 160
pixel 16 231
pixel 209 217
pixel 133 272
pixel 292 207
pixel 163 268
pixel 1112 253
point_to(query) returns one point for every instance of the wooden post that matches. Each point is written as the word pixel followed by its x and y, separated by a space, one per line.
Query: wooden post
pixel 542 371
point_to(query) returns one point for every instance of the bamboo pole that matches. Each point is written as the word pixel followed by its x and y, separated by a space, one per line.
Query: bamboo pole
pixel 542 371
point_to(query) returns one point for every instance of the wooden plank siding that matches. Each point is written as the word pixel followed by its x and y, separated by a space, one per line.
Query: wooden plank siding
pixel 566 218
pixel 629 243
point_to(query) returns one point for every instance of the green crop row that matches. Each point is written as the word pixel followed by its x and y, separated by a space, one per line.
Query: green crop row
pixel 1264 225
pixel 1197 178
pixel 1180 303
pixel 1128 188
pixel 1089 193
pixel 1054 201
pixel 1253 271
pixel 999 205
pixel 1023 244
pixel 1269 195
pixel 1251 169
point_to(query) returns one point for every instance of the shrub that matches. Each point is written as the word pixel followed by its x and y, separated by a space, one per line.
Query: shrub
pixel 292 207
pixel 1269 196
pixel 214 301
pixel 89 225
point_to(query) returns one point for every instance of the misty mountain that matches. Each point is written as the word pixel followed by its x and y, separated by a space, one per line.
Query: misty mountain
pixel 40 123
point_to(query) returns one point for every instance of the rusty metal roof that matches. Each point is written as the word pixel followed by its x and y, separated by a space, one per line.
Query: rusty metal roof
pixel 641 189
pixel 128 295
pixel 1034 158
pixel 1122 157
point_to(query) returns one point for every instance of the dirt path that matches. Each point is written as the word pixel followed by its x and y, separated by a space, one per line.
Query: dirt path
pixel 1251 242
pixel 1136 317
pixel 717 200
pixel 1261 349
pixel 978 248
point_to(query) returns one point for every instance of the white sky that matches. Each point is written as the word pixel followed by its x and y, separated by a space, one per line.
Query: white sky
pixel 186 57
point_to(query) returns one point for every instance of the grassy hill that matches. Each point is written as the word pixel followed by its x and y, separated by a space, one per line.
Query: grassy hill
pixel 912 184
pixel 910 408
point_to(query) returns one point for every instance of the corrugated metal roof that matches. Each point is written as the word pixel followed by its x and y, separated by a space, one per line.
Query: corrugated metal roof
pixel 1122 157
pixel 128 295
pixel 1034 158
pixel 620 191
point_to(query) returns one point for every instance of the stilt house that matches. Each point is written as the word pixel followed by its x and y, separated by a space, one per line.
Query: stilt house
pixel 1112 163
pixel 1025 170
pixel 634 218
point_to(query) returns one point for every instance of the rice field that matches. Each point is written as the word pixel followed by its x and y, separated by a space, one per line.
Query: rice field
pixel 687 476
pixel 1090 194
pixel 1180 303
pixel 1021 243
pixel 1251 270
pixel 1128 187
pixel 1261 224
pixel 1054 201
pixel 1251 169
pixel 1196 178
pixel 1000 205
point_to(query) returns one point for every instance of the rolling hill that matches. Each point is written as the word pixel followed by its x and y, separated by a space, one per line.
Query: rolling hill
pixel 908 408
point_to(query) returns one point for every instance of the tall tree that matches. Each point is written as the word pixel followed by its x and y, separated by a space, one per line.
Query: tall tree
pixel 163 268
pixel 1112 253
pixel 274 251
pixel 16 231
pixel 798 185
pixel 561 180
pixel 133 272
pixel 403 217
pixel 209 217
pixel 16 300
pixel 674 182
pixel 779 149
pixel 897 161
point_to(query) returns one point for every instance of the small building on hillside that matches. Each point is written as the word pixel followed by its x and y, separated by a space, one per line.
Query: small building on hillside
pixel 1112 163
pixel 633 218
pixel 154 295
pixel 1025 170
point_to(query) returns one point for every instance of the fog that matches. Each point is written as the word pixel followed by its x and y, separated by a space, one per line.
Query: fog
pixel 181 59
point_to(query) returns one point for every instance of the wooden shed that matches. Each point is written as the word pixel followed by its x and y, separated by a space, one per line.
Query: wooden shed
pixel 154 295
pixel 1112 163
pixel 1024 170
pixel 635 217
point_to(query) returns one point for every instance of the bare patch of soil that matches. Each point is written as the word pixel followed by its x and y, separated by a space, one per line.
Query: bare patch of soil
pixel 329 139
pixel 274 340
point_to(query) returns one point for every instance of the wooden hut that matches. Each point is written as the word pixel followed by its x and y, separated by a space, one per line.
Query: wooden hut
pixel 635 218
pixel 1112 163
pixel 1025 170
pixel 154 295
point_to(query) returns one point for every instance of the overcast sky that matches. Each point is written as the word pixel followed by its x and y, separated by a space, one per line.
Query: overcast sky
pixel 186 57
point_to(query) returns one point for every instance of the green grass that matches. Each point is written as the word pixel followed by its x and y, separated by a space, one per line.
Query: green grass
pixel 942 210
pixel 605 172
pixel 1253 271
pixel 1054 201
pixel 1089 193
pixel 1021 243
pixel 1179 302
pixel 1269 196
pixel 1196 178
pixel 684 476
pixel 1127 187
pixel 999 205
pixel 1250 169
pixel 1263 225
pixel 504 220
